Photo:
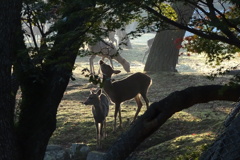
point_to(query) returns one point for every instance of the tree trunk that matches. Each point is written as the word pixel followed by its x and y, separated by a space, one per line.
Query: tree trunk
pixel 43 89
pixel 227 145
pixel 164 52
pixel 159 112
pixel 9 15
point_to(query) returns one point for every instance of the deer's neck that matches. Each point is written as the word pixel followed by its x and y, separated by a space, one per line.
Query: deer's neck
pixel 98 112
pixel 108 87
pixel 98 107
pixel 107 83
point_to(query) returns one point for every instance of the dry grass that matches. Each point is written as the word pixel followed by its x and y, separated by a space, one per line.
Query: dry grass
pixel 195 126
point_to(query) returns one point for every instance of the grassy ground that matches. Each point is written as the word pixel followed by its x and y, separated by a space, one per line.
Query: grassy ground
pixel 188 129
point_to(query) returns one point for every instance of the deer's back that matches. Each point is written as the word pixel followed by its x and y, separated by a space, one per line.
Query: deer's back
pixel 129 87
pixel 103 48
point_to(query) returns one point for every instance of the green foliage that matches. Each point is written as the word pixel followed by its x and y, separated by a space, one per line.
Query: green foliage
pixel 223 23
pixel 94 79
pixel 215 50
pixel 216 53
pixel 102 16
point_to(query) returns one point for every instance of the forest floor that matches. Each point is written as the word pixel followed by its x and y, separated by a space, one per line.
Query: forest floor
pixel 186 132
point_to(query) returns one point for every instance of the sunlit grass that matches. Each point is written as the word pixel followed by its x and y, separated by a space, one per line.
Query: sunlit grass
pixel 193 127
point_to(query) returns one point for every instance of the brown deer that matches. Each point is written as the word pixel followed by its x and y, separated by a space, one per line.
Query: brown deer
pixel 100 109
pixel 122 90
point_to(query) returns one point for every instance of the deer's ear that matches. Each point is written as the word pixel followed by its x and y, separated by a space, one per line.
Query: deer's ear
pixel 101 62
pixel 99 92
pixel 92 90
pixel 116 71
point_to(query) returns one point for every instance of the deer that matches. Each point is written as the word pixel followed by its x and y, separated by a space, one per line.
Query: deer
pixel 119 91
pixel 111 37
pixel 106 50
pixel 100 109
pixel 123 39
pixel 149 43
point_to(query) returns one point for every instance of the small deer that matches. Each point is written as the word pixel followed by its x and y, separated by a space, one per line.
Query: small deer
pixel 100 109
pixel 122 90
pixel 107 50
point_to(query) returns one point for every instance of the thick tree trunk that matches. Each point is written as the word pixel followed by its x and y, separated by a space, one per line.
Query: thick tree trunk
pixel 40 100
pixel 9 15
pixel 227 145
pixel 164 52
pixel 159 112
pixel 38 116
pixel 43 89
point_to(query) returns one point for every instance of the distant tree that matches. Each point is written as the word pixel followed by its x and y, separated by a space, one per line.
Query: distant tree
pixel 205 22
pixel 164 52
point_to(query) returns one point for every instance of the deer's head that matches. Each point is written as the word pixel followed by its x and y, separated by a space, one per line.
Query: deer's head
pixel 93 98
pixel 107 70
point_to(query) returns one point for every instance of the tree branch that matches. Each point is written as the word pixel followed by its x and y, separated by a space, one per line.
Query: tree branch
pixel 211 36
pixel 223 27
pixel 159 112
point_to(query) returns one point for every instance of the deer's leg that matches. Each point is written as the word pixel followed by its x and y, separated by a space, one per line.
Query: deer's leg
pixel 117 107
pixel 91 64
pixel 139 104
pixel 105 131
pixel 120 116
pixel 101 133
pixel 101 129
pixel 115 40
pixel 98 134
pixel 146 100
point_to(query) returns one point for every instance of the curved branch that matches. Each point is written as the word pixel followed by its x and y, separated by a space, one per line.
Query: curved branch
pixel 211 36
pixel 159 112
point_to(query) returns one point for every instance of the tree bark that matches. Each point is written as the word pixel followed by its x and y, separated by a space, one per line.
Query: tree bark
pixel 9 15
pixel 43 88
pixel 159 112
pixel 227 145
pixel 164 52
